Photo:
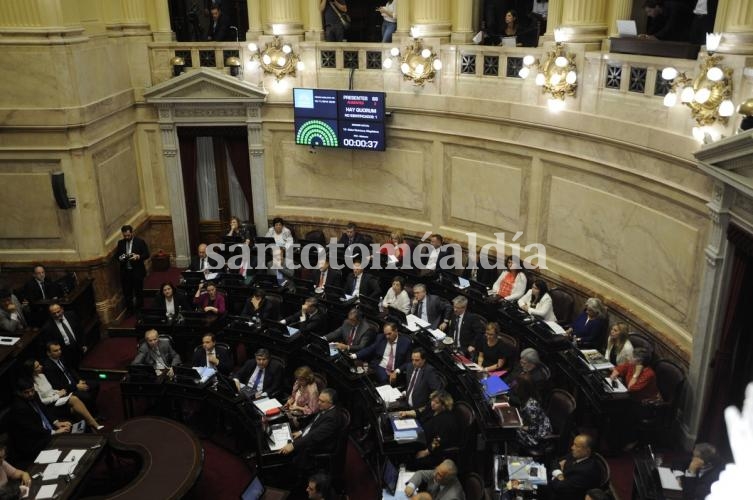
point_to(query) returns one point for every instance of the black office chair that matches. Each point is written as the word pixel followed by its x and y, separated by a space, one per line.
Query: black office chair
pixel 560 410
pixel 473 486
pixel 511 344
pixel 562 303
pixel 317 236
pixel 604 469
pixel 643 341
pixel 321 381
pixel 657 416
pixel 466 421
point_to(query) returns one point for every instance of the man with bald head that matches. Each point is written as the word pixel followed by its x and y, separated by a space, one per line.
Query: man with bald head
pixel 578 472
pixel 200 262
pixel 441 483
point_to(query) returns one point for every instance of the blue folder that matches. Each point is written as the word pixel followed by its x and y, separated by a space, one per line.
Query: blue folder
pixel 494 386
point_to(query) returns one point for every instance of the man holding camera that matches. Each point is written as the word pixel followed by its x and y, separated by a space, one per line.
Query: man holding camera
pixel 131 253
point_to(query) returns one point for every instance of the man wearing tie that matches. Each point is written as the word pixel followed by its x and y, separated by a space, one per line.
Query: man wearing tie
pixel 466 328
pixel 430 308
pixel 62 376
pixel 360 283
pixel 200 262
pixel 39 288
pixel 262 375
pixel 387 353
pixel 421 378
pixel 131 253
pixel 309 319
pixel 211 356
pixel 325 276
pixel 30 426
pixel 351 237
pixel 354 334
pixel 157 352
pixel 12 317
pixel 65 329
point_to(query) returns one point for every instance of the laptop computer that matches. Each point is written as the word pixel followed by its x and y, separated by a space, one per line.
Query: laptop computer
pixel 390 474
pixel 626 28
pixel 254 490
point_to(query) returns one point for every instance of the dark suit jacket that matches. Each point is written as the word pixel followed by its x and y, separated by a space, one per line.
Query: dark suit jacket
pixel 697 488
pixel 221 32
pixel 357 238
pixel 138 247
pixel 33 293
pixel 180 299
pixel 268 309
pixel 471 329
pixel 196 262
pixel 673 23
pixel 363 337
pixel 374 352
pixel 369 285
pixel 334 277
pixel 272 376
pixel 427 381
pixel 73 352
pixel 579 478
pixel 28 435
pixel 437 309
pixel 322 436
pixel 144 355
pixel 314 322
pixel 591 334
pixel 226 362
pixel 57 378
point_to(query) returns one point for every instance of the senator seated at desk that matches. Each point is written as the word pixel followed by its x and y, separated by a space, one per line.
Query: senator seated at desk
pixel 210 301
pixel 213 356
pixel 40 288
pixel 512 282
pixel 64 327
pixel 12 317
pixel 465 328
pixel 442 483
pixel 259 376
pixel 493 355
pixel 170 300
pixel 324 276
pixel 157 352
pixel 537 301
pixel 396 296
pixel 354 334
pixel 62 375
pixel 434 310
pixel 261 307
pixel 421 379
pixel 440 427
pixel 702 472
pixel 386 353
pixel 359 283
pixel 589 328
pixel 578 472
pixel 311 318
pixel 304 398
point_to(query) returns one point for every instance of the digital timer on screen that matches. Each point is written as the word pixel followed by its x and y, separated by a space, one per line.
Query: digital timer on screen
pixel 339 118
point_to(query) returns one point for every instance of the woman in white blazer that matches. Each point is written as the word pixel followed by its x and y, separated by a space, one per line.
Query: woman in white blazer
pixel 619 349
pixel 537 301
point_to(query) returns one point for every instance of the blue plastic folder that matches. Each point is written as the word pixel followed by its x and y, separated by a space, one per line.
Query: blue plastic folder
pixel 494 386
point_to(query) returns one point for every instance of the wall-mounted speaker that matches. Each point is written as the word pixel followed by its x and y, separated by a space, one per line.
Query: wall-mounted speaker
pixel 61 194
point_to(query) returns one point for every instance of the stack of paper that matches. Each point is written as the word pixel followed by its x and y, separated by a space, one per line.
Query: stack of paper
pixel 205 373
pixel 388 393
pixel 668 479
pixel 406 435
pixel 556 328
pixel 438 334
pixel 266 404
pixel 597 359
pixel 414 323
pixel 404 424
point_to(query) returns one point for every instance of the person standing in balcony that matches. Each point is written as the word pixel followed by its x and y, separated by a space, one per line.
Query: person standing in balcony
pixel 389 25
pixel 334 19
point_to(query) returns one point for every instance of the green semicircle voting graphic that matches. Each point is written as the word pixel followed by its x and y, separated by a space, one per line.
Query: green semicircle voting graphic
pixel 316 133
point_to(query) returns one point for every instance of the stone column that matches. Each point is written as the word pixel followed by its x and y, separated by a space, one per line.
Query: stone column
pixel 462 26
pixel 283 18
pixel 431 18
pixel 735 19
pixel 553 17
pixel 403 19
pixel 617 9
pixel 50 20
pixel 161 30
pixel 585 20
pixel 314 29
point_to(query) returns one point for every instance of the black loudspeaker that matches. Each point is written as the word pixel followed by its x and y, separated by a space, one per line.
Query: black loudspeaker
pixel 61 194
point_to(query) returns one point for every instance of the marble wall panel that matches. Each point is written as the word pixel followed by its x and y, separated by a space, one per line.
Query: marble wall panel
pixel 28 206
pixel 638 242
pixel 118 183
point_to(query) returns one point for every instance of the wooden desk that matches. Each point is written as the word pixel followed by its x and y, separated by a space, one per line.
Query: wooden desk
pixel 71 485
pixel 657 48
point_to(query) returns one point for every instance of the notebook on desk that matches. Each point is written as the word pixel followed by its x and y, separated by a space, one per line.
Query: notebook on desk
pixel 494 386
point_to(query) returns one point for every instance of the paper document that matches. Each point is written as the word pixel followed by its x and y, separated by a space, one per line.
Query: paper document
pixel 406 435
pixel 402 424
pixel 556 328
pixel 438 334
pixel 266 404
pixel 8 341
pixel 46 491
pixel 668 479
pixel 205 372
pixel 620 386
pixel 75 456
pixel 388 393
pixel 292 331
pixel 392 259
pixel 280 436
pixel 463 283
pixel 414 323
pixel 53 471
pixel 78 427
pixel 48 457
pixel 62 401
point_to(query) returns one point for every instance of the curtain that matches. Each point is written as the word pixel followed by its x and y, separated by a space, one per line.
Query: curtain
pixel 238 202
pixel 206 180
pixel 237 148
pixel 187 148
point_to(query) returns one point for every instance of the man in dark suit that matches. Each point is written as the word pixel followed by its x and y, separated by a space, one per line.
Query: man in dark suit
pixel 465 328
pixel 131 253
pixel 325 276
pixel 386 353
pixel 359 283
pixel 309 319
pixel 578 472
pixel 430 308
pixel 157 352
pixel 260 306
pixel 702 472
pixel 262 374
pixel 441 483
pixel 62 375
pixel 200 261
pixel 38 288
pixel 441 257
pixel 30 424
pixel 354 334
pixel 421 379
pixel 219 26
pixel 212 356
pixel 320 436
pixel 64 328
pixel 351 237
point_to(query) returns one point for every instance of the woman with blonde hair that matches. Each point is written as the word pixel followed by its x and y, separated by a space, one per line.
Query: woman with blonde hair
pixel 396 248
pixel 305 396
pixel 619 349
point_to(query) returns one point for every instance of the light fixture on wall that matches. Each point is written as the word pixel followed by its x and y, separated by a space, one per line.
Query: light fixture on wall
pixel 178 63
pixel 556 72
pixel 708 95
pixel 276 58
pixel 417 63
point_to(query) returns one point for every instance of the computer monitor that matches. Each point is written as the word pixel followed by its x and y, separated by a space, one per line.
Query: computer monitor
pixel 254 490
pixel 390 474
